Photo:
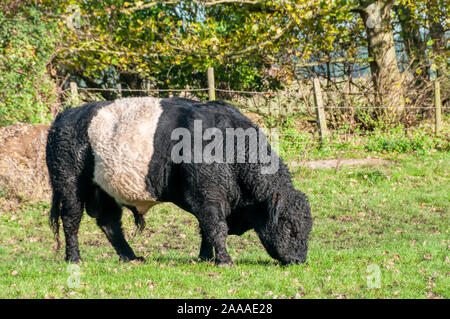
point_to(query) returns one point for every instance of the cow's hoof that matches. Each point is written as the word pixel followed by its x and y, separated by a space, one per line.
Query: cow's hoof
pixel 133 260
pixel 138 260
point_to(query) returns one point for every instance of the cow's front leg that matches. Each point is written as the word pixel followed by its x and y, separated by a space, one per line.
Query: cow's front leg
pixel 214 233
pixel 206 249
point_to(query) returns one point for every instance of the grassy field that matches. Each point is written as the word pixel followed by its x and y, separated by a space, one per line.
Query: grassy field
pixel 379 232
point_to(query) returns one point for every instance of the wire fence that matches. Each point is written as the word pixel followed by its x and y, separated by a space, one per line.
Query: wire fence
pixel 268 107
pixel 268 94
pixel 120 90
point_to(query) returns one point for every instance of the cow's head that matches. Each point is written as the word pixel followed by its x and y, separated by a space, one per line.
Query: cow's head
pixel 285 232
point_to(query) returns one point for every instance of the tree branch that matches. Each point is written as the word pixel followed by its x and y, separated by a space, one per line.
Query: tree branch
pixel 336 60
pixel 262 44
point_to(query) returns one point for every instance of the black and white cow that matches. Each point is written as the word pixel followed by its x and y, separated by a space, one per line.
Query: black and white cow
pixel 106 155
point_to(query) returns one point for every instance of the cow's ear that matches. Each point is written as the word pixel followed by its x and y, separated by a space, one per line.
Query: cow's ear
pixel 275 207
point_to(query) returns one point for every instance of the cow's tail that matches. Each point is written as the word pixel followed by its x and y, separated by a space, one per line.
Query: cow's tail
pixel 55 213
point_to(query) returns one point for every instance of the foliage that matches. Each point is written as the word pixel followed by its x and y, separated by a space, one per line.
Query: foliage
pixel 171 43
pixel 399 140
pixel 291 140
pixel 159 45
pixel 252 45
pixel 423 25
pixel 26 90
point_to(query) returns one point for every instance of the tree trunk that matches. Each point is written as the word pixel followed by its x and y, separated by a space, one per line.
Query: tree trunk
pixel 383 65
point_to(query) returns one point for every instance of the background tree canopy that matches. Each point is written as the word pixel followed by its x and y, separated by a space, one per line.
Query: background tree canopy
pixel 252 45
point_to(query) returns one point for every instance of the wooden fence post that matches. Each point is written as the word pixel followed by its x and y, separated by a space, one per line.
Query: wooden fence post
pixel 320 112
pixel 437 106
pixel 211 88
pixel 74 99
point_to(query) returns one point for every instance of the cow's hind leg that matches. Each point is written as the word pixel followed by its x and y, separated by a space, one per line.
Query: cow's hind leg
pixel 108 216
pixel 71 214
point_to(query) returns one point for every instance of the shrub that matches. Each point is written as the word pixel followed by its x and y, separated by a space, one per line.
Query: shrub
pixel 400 141
pixel 27 92
pixel 292 141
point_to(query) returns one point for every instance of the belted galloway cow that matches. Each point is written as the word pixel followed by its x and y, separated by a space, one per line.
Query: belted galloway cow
pixel 206 158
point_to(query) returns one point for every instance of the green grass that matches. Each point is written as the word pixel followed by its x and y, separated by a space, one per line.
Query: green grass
pixel 395 217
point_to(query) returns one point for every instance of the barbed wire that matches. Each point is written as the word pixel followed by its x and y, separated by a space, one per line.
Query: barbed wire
pixel 246 92
pixel 337 134
pixel 289 93
pixel 351 93
pixel 270 93
pixel 138 90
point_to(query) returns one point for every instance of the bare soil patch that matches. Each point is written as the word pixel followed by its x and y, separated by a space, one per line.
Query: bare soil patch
pixel 336 163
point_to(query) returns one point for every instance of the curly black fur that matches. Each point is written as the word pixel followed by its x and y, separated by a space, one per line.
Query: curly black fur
pixel 225 198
